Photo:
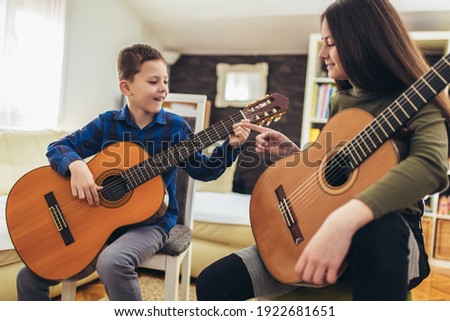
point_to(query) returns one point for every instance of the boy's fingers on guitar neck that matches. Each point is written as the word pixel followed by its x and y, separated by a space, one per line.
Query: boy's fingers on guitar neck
pixel 254 127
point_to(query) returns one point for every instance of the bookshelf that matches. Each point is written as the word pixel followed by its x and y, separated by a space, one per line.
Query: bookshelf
pixel 436 224
pixel 433 44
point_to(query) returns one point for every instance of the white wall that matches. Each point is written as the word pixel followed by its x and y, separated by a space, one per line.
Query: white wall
pixel 96 31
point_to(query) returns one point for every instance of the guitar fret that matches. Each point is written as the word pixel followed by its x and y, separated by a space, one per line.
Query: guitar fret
pixel 410 102
pixel 350 153
pixel 128 179
pixel 199 140
pixel 387 121
pixel 215 131
pixel 357 154
pixel 382 129
pixel 171 153
pixel 365 155
pixel 181 149
pixel 418 93
pixel 373 143
pixel 145 168
pixel 401 108
pixel 442 78
pixel 429 86
pixel 206 133
pixel 221 122
pixel 142 174
pixel 395 116
pixel 373 130
pixel 364 141
pixel 133 175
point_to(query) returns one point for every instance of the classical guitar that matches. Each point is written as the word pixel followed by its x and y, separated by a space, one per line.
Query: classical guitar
pixel 294 196
pixel 57 235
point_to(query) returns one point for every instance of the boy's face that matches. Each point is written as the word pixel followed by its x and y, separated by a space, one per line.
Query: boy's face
pixel 148 89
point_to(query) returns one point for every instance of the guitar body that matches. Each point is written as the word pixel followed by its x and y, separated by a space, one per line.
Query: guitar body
pixel 310 197
pixel 35 226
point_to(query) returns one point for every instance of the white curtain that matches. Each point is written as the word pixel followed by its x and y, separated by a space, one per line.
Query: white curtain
pixel 31 60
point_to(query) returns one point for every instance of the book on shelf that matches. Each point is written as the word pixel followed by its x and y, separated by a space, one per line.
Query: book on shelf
pixel 321 98
pixel 313 134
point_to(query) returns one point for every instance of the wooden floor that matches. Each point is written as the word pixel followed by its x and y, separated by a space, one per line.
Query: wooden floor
pixel 435 287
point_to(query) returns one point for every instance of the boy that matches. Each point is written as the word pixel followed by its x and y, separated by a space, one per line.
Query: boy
pixel 143 79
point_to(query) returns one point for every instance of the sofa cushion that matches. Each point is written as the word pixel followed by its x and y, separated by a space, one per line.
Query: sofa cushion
pixel 22 151
pixel 237 236
pixel 224 184
pixel 5 240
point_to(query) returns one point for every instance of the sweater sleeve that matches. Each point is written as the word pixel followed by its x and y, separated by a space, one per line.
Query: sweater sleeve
pixel 422 172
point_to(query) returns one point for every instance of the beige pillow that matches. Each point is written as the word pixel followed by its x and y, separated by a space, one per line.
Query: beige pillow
pixel 224 184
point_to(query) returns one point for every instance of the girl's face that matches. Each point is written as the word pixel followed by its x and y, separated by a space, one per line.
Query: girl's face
pixel 329 54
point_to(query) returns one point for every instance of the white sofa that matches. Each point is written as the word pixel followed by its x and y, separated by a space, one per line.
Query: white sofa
pixel 20 151
pixel 221 221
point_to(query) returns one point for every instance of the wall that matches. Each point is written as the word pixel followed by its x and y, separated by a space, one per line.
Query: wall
pixel 196 74
pixel 96 31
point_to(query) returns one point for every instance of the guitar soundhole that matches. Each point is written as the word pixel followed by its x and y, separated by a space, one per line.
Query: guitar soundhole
pixel 337 172
pixel 115 192
pixel 114 188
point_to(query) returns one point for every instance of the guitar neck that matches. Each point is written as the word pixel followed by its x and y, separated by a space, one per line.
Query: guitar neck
pixel 396 115
pixel 172 156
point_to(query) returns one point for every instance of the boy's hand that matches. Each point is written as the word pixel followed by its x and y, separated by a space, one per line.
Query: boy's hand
pixel 240 134
pixel 83 184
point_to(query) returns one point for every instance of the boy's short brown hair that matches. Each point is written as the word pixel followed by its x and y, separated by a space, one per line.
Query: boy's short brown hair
pixel 130 59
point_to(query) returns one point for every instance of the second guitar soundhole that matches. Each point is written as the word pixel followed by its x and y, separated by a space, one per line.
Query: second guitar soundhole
pixel 337 172
pixel 115 192
pixel 335 175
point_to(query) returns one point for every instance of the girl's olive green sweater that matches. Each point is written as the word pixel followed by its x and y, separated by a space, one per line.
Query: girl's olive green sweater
pixel 422 172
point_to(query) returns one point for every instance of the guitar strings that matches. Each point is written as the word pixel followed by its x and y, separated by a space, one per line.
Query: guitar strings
pixel 293 200
pixel 297 195
pixel 159 159
pixel 163 157
pixel 117 186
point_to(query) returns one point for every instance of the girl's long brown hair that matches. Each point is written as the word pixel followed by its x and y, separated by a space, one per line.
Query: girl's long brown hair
pixel 375 48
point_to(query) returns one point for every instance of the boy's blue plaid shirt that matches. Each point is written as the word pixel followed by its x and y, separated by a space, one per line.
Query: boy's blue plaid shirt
pixel 166 130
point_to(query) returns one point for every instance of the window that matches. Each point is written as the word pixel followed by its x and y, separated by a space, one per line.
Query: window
pixel 240 84
pixel 31 60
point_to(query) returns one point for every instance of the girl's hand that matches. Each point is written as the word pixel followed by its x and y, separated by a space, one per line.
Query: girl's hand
pixel 271 141
pixel 83 184
pixel 322 258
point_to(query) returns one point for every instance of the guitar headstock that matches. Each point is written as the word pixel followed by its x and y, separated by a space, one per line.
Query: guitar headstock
pixel 267 109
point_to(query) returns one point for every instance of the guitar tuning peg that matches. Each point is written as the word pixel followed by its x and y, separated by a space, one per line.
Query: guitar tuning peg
pixel 268 121
pixel 277 118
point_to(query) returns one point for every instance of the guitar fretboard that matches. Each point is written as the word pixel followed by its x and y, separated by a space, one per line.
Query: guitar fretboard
pixel 163 161
pixel 396 115
pixel 272 107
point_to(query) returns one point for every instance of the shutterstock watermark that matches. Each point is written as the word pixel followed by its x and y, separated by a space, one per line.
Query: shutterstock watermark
pixel 166 154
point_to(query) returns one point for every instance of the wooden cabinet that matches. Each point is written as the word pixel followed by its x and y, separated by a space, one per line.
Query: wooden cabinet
pixel 318 88
pixel 436 228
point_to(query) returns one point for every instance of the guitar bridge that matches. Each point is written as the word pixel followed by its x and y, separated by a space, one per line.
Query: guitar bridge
pixel 58 218
pixel 288 216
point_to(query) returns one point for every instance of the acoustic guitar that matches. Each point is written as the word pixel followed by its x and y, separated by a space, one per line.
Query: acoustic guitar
pixel 294 196
pixel 58 235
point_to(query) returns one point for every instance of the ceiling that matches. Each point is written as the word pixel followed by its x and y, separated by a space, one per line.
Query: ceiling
pixel 242 27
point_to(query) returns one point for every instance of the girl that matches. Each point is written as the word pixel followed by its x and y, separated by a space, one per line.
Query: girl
pixel 368 52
